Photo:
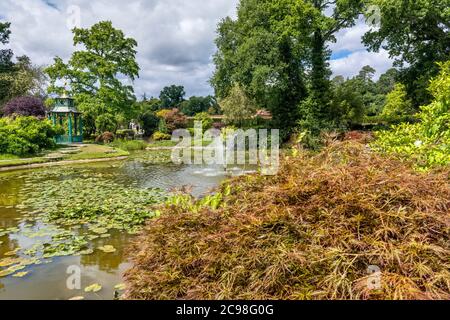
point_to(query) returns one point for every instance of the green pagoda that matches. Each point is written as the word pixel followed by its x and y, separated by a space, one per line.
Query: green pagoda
pixel 67 116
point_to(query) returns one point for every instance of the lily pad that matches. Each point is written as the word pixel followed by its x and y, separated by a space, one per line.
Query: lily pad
pixel 5 273
pixel 93 288
pixel 21 274
pixel 120 286
pixel 100 230
pixel 107 249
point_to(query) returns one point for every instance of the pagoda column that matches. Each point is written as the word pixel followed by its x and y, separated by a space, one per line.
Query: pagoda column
pixel 70 128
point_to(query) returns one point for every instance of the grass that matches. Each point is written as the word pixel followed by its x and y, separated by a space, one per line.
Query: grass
pixel 311 232
pixel 12 162
pixel 87 152
pixel 95 151
pixel 129 145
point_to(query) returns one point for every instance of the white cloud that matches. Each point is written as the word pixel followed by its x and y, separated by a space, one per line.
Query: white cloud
pixel 351 65
pixel 175 37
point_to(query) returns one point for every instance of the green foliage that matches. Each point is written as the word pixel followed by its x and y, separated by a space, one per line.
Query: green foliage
pixel 347 104
pixel 172 97
pixel 416 34
pixel 129 145
pixel 125 134
pixel 159 136
pixel 426 142
pixel 205 119
pixel 264 52
pixel 398 106
pixel 149 121
pixel 238 107
pixel 93 74
pixel 26 135
pixel 106 122
pixel 195 105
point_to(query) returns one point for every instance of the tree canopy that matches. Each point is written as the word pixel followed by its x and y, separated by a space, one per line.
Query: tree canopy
pixel 98 75
pixel 172 96
pixel 416 34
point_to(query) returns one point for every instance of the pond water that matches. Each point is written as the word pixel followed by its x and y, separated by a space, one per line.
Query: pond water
pixel 36 253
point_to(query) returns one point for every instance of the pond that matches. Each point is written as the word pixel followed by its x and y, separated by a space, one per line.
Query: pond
pixel 53 222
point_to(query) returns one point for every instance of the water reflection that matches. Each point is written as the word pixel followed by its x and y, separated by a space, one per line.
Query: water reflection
pixel 48 279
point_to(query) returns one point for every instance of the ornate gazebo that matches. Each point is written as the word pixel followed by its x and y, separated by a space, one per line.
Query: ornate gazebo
pixel 66 115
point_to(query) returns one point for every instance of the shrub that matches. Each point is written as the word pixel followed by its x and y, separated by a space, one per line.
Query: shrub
pixel 25 106
pixel 173 120
pixel 106 123
pixel 125 134
pixel 311 232
pixel 129 145
pixel 26 135
pixel 105 137
pixel 205 119
pixel 159 136
pixel 427 143
pixel 398 107
pixel 150 122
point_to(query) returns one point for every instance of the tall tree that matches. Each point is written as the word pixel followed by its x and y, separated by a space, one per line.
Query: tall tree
pixel 264 52
pixel 172 96
pixel 6 64
pixel 97 73
pixel 416 34
pixel 331 16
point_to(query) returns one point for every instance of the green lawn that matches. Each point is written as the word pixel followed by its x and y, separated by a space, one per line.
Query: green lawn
pixel 64 153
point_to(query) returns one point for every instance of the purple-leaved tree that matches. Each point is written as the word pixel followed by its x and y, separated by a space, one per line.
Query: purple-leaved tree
pixel 25 106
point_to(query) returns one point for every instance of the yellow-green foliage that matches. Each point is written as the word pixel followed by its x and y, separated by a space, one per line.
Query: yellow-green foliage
pixel 426 142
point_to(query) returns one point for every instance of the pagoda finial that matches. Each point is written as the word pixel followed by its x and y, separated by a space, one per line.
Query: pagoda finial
pixel 65 95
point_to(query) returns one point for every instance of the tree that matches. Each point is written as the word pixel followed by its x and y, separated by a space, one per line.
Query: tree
pixel 6 64
pixel 195 105
pixel 25 79
pixel 426 141
pixel 238 107
pixel 330 17
pixel 387 81
pixel 415 33
pixel 172 96
pixel 347 104
pixel 264 53
pixel 398 106
pixel 96 73
pixel 25 106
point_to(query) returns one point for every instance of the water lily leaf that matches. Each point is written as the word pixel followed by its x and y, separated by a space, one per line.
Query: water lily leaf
pixel 5 273
pixel 86 252
pixel 100 230
pixel 107 249
pixel 120 287
pixel 21 274
pixel 93 288
pixel 12 253
pixel 6 262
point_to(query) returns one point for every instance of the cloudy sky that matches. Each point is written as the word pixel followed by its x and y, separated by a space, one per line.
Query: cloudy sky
pixel 175 37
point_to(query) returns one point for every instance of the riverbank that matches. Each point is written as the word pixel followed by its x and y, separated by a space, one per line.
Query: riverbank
pixel 342 224
pixel 67 155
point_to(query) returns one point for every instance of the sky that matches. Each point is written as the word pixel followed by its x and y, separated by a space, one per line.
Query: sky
pixel 175 37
